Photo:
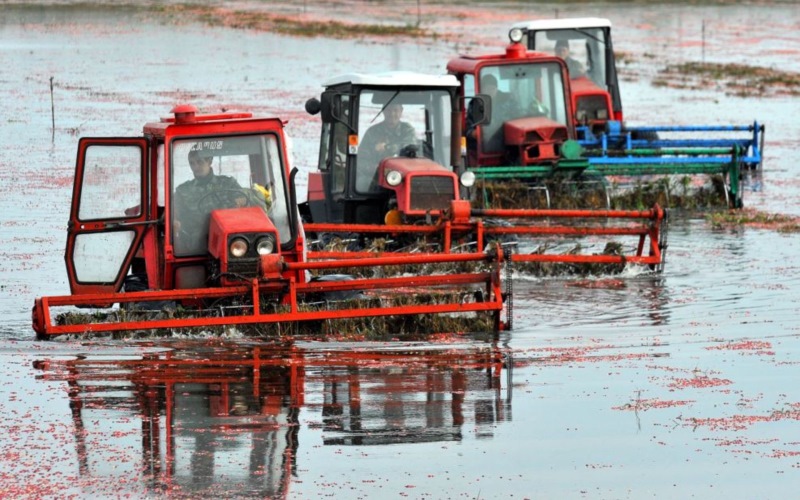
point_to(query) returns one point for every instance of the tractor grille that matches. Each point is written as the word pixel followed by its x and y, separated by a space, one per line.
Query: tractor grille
pixel 247 268
pixel 431 193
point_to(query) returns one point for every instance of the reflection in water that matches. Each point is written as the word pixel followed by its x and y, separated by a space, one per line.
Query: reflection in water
pixel 210 418
pixel 412 403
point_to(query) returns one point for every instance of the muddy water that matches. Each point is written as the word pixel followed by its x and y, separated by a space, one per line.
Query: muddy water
pixel 679 385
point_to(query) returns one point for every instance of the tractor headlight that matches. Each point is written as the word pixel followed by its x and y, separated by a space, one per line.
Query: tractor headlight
pixel 468 179
pixel 265 245
pixel 393 178
pixel 515 35
pixel 238 247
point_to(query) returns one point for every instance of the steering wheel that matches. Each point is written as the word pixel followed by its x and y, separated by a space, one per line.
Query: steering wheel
pixel 409 151
pixel 222 198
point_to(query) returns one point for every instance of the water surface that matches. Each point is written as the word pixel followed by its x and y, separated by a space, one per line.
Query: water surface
pixel 679 385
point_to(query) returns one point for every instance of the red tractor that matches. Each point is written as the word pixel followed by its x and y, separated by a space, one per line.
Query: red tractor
pixel 200 214
pixel 585 45
pixel 525 98
pixel 523 150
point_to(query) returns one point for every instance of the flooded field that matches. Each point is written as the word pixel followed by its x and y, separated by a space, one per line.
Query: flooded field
pixel 676 385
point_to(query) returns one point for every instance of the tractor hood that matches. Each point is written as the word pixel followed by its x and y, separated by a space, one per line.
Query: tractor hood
pixel 535 139
pixel 421 185
pixel 238 238
pixel 412 166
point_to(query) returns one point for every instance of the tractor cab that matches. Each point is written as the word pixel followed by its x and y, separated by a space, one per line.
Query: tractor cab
pixel 389 149
pixel 528 117
pixel 585 45
pixel 197 201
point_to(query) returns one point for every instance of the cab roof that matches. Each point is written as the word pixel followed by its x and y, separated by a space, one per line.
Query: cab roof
pixel 557 24
pixel 394 79
pixel 185 119
pixel 513 55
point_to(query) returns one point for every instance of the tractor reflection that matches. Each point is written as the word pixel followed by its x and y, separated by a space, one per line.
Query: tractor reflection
pixel 212 417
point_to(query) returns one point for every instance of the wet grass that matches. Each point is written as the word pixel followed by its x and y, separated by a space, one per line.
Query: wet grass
pixel 754 218
pixel 734 79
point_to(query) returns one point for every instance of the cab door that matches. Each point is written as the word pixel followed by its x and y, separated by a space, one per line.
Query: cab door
pixel 109 212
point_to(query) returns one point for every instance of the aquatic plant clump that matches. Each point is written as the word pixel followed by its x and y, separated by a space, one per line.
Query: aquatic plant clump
pixel 754 218
pixel 273 23
pixel 735 79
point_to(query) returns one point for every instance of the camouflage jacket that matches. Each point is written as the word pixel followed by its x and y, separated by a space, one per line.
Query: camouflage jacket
pixel 193 202
pixel 190 193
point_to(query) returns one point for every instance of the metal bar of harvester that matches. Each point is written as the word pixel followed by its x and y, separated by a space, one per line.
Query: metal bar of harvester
pixel 571 214
pixel 693 128
pixel 253 315
pixel 691 143
pixel 281 317
pixel 295 315
pixel 705 153
pixel 390 259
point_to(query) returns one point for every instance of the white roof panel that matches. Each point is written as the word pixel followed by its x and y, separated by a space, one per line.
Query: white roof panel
pixel 555 24
pixel 394 79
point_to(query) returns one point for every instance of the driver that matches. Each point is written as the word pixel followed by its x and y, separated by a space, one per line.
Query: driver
pixel 384 139
pixel 196 198
pixel 574 67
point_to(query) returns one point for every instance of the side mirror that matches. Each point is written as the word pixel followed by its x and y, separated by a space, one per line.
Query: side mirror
pixel 313 106
pixel 481 109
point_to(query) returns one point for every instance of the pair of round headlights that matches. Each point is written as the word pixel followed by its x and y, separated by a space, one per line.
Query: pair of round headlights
pixel 394 178
pixel 264 246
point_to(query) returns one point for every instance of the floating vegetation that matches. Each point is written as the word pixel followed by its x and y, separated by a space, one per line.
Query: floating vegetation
pixel 754 218
pixel 273 23
pixel 735 79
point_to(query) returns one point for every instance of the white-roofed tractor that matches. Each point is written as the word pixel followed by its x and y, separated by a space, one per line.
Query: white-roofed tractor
pixel 389 149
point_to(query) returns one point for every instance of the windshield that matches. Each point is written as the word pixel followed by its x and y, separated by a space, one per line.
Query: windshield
pixel 519 91
pixel 224 172
pixel 405 122
pixel 583 50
